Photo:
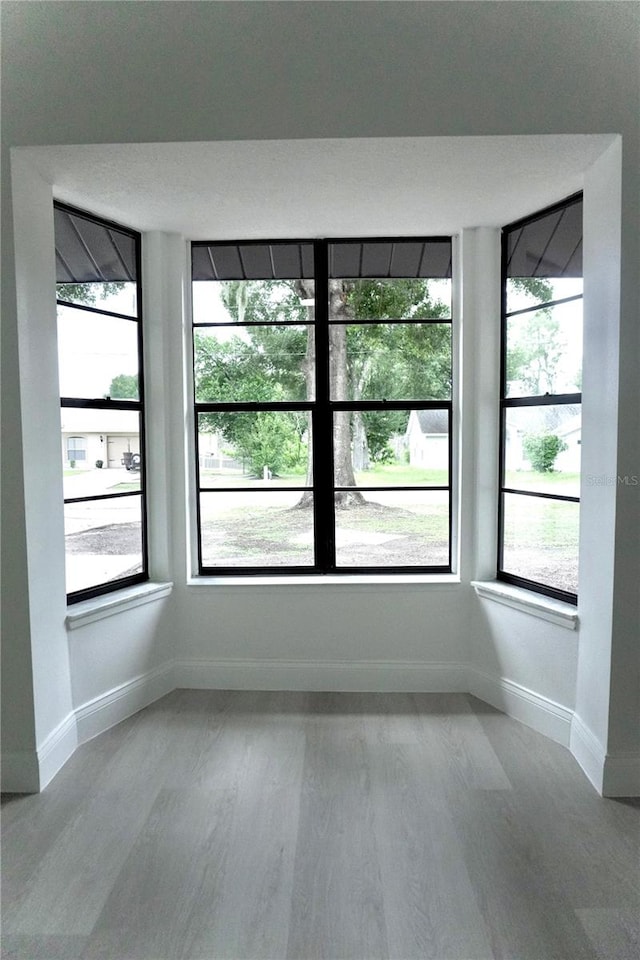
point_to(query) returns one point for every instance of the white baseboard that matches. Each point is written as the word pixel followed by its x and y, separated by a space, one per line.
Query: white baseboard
pixel 336 675
pixel 547 717
pixel 29 771
pixel 588 751
pixel 20 771
pixel 103 712
pixel 56 749
pixel 621 777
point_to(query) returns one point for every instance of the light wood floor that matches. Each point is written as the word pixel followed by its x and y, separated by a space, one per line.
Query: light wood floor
pixel 315 825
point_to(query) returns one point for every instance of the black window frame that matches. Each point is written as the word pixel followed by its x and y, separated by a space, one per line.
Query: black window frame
pixel 321 409
pixel 509 403
pixel 93 403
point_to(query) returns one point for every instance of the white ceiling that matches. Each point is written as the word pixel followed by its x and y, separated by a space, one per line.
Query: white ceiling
pixel 248 189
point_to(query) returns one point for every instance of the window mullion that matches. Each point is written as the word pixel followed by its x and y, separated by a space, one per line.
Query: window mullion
pixel 323 498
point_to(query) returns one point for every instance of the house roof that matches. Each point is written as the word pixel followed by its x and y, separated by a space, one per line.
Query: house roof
pixel 560 419
pixel 547 246
pixel 429 258
pixel 90 252
pixel 433 421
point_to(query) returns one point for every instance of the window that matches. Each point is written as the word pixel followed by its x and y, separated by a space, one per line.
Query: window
pixel 541 400
pixel 76 449
pixel 323 403
pixel 102 414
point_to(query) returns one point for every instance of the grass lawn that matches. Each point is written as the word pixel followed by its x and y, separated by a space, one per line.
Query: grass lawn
pixel 400 475
pixel 381 474
pixel 554 482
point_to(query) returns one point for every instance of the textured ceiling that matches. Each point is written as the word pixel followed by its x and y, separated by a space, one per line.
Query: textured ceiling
pixel 305 188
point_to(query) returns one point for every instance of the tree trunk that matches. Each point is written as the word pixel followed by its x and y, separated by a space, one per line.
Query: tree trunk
pixel 343 466
pixel 339 375
pixel 305 290
pixel 360 458
pixel 360 446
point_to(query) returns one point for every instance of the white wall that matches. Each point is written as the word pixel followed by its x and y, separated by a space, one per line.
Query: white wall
pixel 319 70
pixel 336 637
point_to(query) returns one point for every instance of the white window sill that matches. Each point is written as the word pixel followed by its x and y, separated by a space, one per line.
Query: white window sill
pixel 546 608
pixel 80 614
pixel 438 580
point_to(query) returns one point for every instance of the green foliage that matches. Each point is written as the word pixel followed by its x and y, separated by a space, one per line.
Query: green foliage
pixel 380 425
pixel 542 449
pixel 87 293
pixel 265 438
pixel 235 370
pixel 538 288
pixel 535 348
pixel 124 387
pixel 270 363
pixel 269 439
pixel 535 351
pixel 396 299
pixel 397 361
pixel 263 301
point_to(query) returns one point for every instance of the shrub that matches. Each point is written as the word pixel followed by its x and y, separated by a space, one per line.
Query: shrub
pixel 541 450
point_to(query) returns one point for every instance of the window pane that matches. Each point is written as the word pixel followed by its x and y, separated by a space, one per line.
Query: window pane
pixel 245 449
pixel 542 449
pixel 256 528
pixel 97 355
pixel 117 297
pixel 253 301
pixel 400 299
pixel 390 361
pixel 523 292
pixel 103 540
pixel 394 528
pixel 391 448
pixel 76 449
pixel 544 351
pixel 112 439
pixel 254 364
pixel 541 540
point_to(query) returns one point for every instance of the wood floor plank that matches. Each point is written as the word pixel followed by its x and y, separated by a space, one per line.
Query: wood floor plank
pixel 430 905
pixel 524 909
pixel 67 891
pixel 457 742
pixel 581 838
pixel 389 717
pixel 179 857
pixel 30 824
pixel 209 851
pixel 614 933
pixel 20 947
pixel 262 846
pixel 249 825
pixel 337 906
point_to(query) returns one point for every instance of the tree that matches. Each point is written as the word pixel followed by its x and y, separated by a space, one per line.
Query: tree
pixel 374 360
pixel 124 387
pixel 535 347
pixel 236 370
pixel 87 293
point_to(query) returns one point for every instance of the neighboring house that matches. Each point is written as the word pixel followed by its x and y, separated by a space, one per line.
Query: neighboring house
pixel 571 432
pixel 564 421
pixel 91 435
pixel 214 452
pixel 427 439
